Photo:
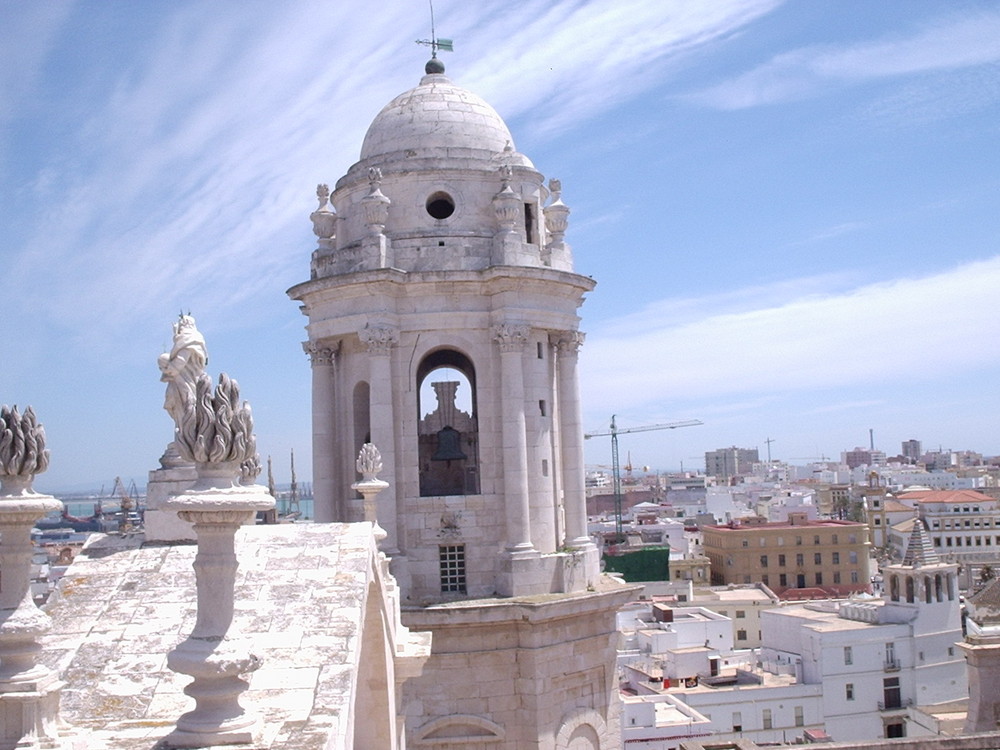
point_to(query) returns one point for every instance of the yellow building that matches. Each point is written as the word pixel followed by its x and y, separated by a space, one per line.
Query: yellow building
pixel 819 558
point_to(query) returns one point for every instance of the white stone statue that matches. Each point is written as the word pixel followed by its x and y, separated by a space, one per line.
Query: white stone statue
pixel 181 368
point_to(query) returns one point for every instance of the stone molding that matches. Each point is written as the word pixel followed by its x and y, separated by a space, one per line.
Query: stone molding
pixel 511 337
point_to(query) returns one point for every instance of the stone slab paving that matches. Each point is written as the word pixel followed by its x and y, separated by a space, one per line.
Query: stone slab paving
pixel 123 605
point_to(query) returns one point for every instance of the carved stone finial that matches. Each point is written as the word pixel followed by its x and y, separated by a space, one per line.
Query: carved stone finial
pixel 369 462
pixel 375 205
pixel 324 218
pixel 555 188
pixel 323 193
pixel 22 445
pixel 216 428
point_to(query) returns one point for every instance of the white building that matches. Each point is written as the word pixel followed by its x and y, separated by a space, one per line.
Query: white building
pixel 857 669
pixel 875 659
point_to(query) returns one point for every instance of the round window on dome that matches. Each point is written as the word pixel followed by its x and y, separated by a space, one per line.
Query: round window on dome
pixel 440 205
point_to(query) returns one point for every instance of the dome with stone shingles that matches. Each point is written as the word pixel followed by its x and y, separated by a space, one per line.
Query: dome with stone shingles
pixel 436 118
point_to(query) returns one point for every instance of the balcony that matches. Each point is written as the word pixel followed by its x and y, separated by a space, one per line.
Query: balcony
pixel 895 705
pixel 891 665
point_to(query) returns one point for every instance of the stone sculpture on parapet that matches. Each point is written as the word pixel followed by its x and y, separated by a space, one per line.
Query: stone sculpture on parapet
pixel 215 431
pixel 180 369
pixel 369 464
pixel 29 691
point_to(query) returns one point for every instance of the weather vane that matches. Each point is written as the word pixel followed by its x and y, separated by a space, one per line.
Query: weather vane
pixel 445 45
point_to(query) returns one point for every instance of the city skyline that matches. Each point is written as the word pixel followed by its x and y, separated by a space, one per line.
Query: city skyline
pixel 790 209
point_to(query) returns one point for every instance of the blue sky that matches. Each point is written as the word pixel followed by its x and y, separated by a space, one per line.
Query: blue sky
pixel 791 208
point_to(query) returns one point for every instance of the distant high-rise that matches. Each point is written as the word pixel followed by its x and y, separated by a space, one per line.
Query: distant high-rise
pixel 725 463
pixel 912 450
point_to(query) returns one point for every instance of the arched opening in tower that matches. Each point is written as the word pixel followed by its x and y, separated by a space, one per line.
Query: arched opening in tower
pixel 447 431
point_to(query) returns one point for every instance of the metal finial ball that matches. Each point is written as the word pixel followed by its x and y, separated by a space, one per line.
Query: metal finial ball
pixel 434 66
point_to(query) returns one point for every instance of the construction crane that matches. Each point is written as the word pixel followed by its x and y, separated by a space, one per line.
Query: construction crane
pixel 616 476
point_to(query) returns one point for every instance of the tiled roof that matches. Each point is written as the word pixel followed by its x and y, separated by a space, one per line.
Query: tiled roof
pixel 946 496
pixel 919 550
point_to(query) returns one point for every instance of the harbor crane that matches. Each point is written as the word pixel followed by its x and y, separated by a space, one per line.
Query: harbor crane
pixel 616 476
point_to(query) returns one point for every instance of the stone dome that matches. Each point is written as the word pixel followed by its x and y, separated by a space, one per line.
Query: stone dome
pixel 435 119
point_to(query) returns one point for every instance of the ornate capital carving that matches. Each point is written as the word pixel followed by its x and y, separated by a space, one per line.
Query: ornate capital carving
pixel 568 342
pixel 320 354
pixel 511 337
pixel 379 339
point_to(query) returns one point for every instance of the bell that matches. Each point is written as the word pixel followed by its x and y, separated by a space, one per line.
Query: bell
pixel 448 448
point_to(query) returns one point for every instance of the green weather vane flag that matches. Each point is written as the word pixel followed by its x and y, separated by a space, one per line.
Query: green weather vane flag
pixel 445 45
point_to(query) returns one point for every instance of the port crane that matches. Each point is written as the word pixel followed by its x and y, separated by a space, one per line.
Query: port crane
pixel 616 476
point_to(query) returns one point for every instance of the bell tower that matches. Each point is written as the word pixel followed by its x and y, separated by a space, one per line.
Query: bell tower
pixel 443 327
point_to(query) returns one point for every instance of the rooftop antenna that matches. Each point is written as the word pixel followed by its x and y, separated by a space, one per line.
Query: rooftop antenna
pixel 445 45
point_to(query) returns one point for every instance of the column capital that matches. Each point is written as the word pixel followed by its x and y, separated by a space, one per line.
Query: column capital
pixel 379 339
pixel 320 354
pixel 511 337
pixel 568 342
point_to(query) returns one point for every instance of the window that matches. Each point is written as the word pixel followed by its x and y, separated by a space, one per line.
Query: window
pixel 800 717
pixel 852 557
pixel 833 539
pixel 782 580
pixel 763 561
pixel 763 579
pixel 854 576
pixel 763 542
pixel 781 561
pixel 848 655
pixel 538 344
pixel 816 539
pixel 798 541
pixel 819 579
pixel 836 558
pixel 849 691
pixel 541 407
pixel 817 558
pixel 852 538
pixel 440 205
pixel 741 635
pixel 799 560
pixel 746 542
pixel 737 721
pixel 740 614
pixel 451 559
pixel 836 577
pixel 766 719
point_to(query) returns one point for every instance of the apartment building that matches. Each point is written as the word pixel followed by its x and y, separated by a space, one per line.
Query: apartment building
pixel 814 558
pixel 964 524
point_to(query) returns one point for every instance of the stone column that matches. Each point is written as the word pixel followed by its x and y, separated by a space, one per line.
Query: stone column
pixel 511 339
pixel 571 433
pixel 326 499
pixel 380 341
pixel 29 691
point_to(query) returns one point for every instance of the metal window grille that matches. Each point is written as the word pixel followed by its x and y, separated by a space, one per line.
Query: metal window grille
pixel 452 566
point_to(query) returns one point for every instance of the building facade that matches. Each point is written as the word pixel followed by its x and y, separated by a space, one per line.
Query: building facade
pixel 829 556
pixel 726 463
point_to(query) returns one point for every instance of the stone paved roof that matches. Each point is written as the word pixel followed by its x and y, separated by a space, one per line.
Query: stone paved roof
pixel 123 605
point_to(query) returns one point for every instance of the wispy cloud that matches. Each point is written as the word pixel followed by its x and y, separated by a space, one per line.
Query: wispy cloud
pixel 914 328
pixel 951 43
pixel 188 181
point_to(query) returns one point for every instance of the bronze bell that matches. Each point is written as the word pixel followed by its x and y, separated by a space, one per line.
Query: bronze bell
pixel 448 447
